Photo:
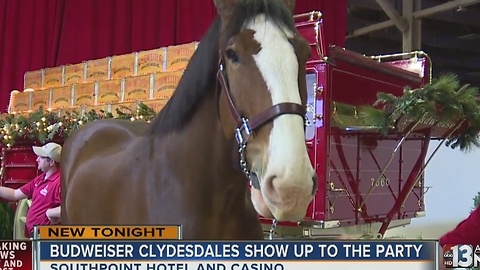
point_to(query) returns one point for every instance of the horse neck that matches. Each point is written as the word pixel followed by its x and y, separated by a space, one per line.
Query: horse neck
pixel 199 161
pixel 202 147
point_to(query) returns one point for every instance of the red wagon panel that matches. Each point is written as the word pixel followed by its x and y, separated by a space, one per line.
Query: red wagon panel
pixel 361 176
pixel 363 179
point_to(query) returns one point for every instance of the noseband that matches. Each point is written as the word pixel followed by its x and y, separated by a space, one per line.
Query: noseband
pixel 245 126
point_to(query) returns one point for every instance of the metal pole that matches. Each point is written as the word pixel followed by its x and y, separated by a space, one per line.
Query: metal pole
pixel 412 39
pixel 393 14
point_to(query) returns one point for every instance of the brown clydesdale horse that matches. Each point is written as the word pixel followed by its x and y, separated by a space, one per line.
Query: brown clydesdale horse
pixel 237 114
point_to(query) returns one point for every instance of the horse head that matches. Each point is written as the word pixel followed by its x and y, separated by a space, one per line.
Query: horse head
pixel 262 103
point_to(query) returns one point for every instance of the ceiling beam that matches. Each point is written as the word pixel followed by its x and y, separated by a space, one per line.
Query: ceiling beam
pixel 430 36
pixel 433 10
pixel 370 28
pixel 443 7
pixel 393 14
pixel 466 17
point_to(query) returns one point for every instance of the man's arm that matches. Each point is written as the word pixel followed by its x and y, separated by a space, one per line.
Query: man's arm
pixel 466 231
pixel 53 212
pixel 11 194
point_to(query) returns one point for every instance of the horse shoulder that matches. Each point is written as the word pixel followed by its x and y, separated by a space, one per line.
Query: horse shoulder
pixel 96 138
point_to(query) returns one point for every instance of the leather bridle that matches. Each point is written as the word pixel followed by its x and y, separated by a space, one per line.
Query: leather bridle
pixel 245 126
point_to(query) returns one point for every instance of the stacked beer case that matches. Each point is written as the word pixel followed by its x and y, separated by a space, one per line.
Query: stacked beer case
pixel 105 84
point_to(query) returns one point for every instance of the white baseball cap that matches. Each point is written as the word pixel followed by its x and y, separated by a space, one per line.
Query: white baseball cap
pixel 51 150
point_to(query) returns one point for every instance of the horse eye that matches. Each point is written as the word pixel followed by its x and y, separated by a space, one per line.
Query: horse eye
pixel 232 55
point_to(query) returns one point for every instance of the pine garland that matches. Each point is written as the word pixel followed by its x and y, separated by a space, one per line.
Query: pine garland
pixel 44 126
pixel 444 102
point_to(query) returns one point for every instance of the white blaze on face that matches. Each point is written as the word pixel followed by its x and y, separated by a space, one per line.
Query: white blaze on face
pixel 289 171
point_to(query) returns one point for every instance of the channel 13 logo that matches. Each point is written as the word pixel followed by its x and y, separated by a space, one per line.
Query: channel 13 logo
pixel 461 256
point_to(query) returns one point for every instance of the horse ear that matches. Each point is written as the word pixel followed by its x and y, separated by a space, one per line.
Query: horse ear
pixel 291 5
pixel 225 7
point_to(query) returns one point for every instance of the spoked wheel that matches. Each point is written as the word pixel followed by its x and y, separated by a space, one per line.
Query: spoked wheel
pixel 21 219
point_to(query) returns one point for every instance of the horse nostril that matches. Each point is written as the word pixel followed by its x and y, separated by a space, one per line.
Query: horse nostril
pixel 254 181
pixel 315 183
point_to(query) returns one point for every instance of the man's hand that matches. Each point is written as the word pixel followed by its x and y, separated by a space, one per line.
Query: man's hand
pixel 53 214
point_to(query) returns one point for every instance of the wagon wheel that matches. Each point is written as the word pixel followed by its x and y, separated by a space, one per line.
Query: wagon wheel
pixel 20 219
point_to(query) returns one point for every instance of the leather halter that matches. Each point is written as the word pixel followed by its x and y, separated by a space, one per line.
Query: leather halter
pixel 245 126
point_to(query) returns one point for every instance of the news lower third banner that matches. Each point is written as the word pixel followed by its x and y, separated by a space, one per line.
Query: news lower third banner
pixel 16 255
pixel 171 232
pixel 161 248
pixel 261 255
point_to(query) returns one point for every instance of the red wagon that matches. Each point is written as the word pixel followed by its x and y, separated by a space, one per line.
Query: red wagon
pixel 368 181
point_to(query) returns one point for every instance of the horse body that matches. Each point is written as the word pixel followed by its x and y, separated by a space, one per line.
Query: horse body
pixel 238 87
pixel 155 187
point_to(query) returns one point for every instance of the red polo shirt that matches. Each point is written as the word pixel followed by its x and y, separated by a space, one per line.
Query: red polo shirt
pixel 466 232
pixel 45 194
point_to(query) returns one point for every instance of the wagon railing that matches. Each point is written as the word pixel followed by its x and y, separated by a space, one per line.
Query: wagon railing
pixel 424 114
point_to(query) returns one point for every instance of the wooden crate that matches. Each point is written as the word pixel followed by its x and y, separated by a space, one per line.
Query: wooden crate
pixel 164 84
pixel 151 61
pixel 75 74
pixel 109 91
pixel 178 56
pixel 53 77
pixel 41 98
pixel 19 101
pixel 62 97
pixel 156 104
pixel 137 88
pixel 98 69
pixel 84 94
pixel 123 65
pixel 33 79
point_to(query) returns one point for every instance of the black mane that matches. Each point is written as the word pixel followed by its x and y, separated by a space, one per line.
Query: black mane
pixel 247 10
pixel 199 78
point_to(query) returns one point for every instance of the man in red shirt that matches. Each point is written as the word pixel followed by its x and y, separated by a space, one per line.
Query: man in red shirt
pixel 44 190
pixel 466 232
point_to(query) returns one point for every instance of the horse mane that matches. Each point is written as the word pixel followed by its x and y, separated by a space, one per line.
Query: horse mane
pixel 196 81
pixel 247 10
pixel 199 77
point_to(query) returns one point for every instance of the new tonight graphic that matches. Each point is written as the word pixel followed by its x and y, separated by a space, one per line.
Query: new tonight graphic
pixel 234 251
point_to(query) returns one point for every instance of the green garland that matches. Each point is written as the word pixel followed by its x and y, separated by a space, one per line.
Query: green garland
pixel 44 126
pixel 444 102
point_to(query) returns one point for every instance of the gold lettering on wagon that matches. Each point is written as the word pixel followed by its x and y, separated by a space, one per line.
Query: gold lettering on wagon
pixel 429 121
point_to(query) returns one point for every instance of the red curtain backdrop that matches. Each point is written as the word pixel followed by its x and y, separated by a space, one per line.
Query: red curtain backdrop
pixel 37 34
